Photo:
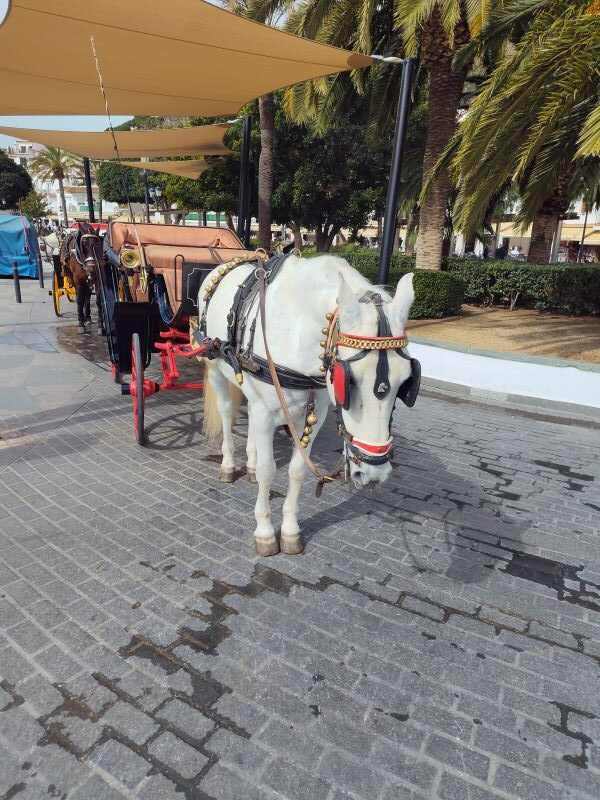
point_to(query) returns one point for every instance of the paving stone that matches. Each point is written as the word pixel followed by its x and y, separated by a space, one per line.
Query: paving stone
pixel 185 718
pixel 120 762
pixel 175 753
pixel 127 721
pixel 293 783
pixel 96 789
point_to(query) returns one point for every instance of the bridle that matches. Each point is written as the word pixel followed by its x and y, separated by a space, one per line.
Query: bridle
pixel 73 245
pixel 340 376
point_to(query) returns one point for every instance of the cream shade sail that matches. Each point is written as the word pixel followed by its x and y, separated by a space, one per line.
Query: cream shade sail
pixel 185 169
pixel 205 140
pixel 182 57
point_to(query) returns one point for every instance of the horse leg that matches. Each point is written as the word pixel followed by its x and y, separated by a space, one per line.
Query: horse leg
pixel 80 297
pixel 263 429
pixel 291 541
pixel 250 454
pixel 100 328
pixel 88 297
pixel 220 385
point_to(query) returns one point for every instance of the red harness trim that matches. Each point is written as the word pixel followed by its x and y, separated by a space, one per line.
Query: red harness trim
pixel 375 449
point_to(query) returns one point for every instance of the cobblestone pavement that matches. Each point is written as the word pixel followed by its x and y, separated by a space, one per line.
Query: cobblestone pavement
pixel 439 638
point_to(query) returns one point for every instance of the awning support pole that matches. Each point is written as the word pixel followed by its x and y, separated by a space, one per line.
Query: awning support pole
pixel 244 177
pixel 391 204
pixel 582 242
pixel 88 188
pixel 146 195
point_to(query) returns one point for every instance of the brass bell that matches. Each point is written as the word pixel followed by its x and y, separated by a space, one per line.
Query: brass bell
pixel 323 368
pixel 324 331
pixel 239 377
pixel 321 356
pixel 312 419
pixel 305 441
pixel 323 343
pixel 307 430
pixel 329 316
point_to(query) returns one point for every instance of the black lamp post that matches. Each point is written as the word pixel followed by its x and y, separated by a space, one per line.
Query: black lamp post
pixel 155 194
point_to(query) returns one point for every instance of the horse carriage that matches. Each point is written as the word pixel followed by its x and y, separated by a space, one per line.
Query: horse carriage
pixel 149 280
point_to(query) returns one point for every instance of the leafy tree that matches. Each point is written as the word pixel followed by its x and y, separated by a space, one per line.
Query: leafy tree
pixel 328 182
pixel 119 184
pixel 34 206
pixel 15 182
pixel 54 164
pixel 432 29
pixel 533 121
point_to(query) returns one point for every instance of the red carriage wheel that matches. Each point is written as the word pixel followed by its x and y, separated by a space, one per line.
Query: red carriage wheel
pixel 136 388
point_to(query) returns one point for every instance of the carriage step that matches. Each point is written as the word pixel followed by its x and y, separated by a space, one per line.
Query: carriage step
pixel 125 388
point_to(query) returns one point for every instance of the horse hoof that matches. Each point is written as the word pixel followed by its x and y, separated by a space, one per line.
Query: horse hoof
pixel 291 545
pixel 227 476
pixel 251 476
pixel 99 332
pixel 266 547
pixel 81 329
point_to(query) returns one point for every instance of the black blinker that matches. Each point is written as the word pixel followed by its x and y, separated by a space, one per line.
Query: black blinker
pixel 409 390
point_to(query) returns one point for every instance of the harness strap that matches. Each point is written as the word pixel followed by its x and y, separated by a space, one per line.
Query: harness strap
pixel 322 478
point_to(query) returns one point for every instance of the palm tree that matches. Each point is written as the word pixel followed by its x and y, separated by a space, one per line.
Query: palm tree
pixel 53 164
pixel 271 15
pixel 536 120
pixel 432 29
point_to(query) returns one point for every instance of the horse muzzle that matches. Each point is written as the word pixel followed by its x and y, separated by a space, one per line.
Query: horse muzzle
pixel 365 475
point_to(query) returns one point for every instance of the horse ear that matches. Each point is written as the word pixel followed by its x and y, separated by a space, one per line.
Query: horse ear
pixel 403 300
pixel 349 309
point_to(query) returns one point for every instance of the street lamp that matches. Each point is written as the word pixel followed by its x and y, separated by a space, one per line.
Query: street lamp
pixel 155 194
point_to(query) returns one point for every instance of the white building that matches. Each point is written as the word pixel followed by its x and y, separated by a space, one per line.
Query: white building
pixel 75 194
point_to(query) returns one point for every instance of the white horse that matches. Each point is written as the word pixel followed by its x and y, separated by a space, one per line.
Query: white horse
pixel 299 305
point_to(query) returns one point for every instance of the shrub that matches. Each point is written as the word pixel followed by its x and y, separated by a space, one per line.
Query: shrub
pixel 566 288
pixel 437 294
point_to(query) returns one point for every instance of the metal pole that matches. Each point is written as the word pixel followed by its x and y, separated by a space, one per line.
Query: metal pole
pixel 88 188
pixel 40 268
pixel 146 197
pixel 244 175
pixel 248 214
pixel 16 282
pixel 581 243
pixel 391 203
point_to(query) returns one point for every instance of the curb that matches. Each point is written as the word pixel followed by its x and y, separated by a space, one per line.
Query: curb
pixel 550 387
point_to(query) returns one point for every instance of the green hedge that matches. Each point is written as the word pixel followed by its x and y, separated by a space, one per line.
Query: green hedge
pixel 437 294
pixel 566 288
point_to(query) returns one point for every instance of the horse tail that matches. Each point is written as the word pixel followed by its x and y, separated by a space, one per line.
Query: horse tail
pixel 211 426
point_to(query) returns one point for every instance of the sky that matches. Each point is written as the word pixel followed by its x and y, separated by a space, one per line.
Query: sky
pixel 58 123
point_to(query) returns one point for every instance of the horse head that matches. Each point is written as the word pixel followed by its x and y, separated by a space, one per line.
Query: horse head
pixel 89 249
pixel 366 374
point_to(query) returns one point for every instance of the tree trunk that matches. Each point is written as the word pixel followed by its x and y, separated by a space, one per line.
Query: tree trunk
pixel 323 239
pixel 545 224
pixel 266 107
pixel 63 202
pixel 297 233
pixel 445 86
pixel 229 219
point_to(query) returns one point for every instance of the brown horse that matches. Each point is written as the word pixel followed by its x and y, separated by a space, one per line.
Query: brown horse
pixel 81 253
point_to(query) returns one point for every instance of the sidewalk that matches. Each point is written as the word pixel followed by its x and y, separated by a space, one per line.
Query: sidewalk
pixel 40 368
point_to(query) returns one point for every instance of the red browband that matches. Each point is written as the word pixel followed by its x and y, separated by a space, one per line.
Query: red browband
pixel 374 449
